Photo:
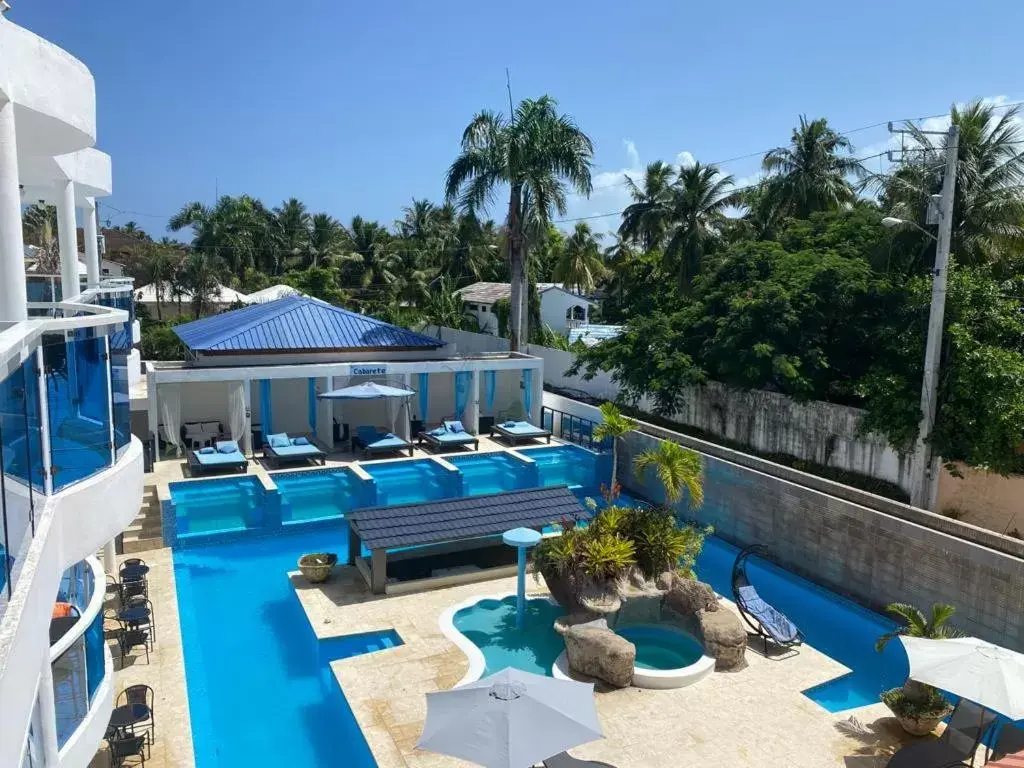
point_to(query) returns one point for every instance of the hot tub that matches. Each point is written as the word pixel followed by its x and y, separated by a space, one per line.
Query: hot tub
pixel 666 657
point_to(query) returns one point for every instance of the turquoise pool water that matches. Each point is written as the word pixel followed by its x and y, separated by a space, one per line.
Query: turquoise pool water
pixel 260 690
pixel 491 626
pixel 318 494
pixel 408 482
pixel 493 473
pixel 217 506
pixel 568 465
pixel 661 649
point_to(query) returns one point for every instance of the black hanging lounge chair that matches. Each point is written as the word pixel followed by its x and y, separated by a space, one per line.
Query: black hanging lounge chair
pixel 767 622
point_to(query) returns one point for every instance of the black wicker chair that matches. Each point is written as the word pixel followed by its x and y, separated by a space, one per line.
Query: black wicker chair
pixel 123 747
pixel 129 639
pixel 140 696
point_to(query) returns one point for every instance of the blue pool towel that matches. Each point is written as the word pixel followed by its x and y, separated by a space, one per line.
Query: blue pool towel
pixel 300 441
pixel 227 446
pixel 280 440
pixel 206 451
pixel 775 622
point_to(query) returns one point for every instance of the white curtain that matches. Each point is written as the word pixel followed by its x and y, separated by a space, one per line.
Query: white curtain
pixel 170 414
pixel 236 410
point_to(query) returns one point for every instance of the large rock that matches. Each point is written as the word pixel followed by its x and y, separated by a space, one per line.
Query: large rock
pixel 600 653
pixel 689 596
pixel 724 638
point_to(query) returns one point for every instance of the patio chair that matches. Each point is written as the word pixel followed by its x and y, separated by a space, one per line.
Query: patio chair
pixel 767 622
pixel 123 747
pixel 148 624
pixel 513 432
pixel 1009 741
pixel 129 639
pixel 565 760
pixel 967 727
pixel 372 441
pixel 140 696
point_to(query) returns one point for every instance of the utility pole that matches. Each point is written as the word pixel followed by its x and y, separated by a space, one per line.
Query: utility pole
pixel 926 459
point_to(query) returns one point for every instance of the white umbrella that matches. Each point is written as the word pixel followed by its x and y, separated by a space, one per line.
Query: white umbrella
pixel 512 719
pixel 986 674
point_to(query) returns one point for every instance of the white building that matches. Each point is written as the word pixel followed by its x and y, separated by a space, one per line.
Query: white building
pixel 72 471
pixel 559 308
pixel 173 305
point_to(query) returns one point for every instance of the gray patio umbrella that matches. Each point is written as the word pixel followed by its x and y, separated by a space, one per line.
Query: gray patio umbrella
pixel 512 719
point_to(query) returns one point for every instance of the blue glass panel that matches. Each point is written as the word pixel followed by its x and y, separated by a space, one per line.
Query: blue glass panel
pixel 20 425
pixel 70 690
pixel 95 667
pixel 79 406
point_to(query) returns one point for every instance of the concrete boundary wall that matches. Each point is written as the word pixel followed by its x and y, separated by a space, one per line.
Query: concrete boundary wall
pixel 865 554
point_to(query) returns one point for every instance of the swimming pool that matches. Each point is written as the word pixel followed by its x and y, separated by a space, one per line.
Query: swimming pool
pixel 260 689
pixel 493 473
pixel 569 465
pixel 490 625
pixel 319 494
pixel 409 482
pixel 217 506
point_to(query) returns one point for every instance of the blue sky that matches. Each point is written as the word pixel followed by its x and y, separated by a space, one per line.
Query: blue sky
pixel 357 107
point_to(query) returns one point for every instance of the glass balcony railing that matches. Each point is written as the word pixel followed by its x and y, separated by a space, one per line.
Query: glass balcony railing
pixel 64 408
pixel 76 630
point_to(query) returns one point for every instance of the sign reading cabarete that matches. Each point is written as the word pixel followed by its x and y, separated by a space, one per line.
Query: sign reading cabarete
pixel 369 370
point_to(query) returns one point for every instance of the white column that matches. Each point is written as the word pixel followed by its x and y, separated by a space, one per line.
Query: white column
pixel 12 255
pixel 92 245
pixel 68 238
pixel 473 409
pixel 110 558
pixel 48 715
pixel 247 399
pixel 324 413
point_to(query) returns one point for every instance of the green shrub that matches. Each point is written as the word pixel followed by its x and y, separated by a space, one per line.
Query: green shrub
pixel 661 544
pixel 606 557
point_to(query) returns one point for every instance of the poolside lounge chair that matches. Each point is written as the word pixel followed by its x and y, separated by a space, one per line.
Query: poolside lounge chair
pixel 371 441
pixel 282 449
pixel 451 434
pixel 565 760
pixel 225 456
pixel 766 621
pixel 514 431
pixel 967 727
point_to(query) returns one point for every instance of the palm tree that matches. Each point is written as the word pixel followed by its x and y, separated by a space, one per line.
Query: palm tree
pixel 292 229
pixel 988 208
pixel 235 230
pixel 916 624
pixel 40 227
pixel 535 152
pixel 646 220
pixel 811 174
pixel 677 468
pixel 700 197
pixel 613 426
pixel 326 236
pixel 580 265
pixel 161 261
pixel 200 276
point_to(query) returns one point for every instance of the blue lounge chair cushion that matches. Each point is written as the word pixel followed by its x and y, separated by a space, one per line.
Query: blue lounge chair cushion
pixel 227 446
pixel 437 431
pixel 522 428
pixel 387 441
pixel 454 426
pixel 300 441
pixel 775 623
pixel 298 450
pixel 216 458
pixel 280 440
pixel 509 423
pixel 207 450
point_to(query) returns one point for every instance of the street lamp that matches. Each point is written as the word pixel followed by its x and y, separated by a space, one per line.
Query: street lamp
pixel 891 222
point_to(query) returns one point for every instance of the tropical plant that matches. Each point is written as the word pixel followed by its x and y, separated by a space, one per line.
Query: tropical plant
pixel 646 220
pixel 614 424
pixel 918 700
pixel 39 223
pixel 700 197
pixel 678 469
pixel 200 277
pixel 535 152
pixel 445 308
pixel 326 236
pixel 580 266
pixel 813 172
pixel 988 210
pixel 661 544
pixel 606 557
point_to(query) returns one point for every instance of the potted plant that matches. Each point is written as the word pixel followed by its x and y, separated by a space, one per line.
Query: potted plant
pixel 918 707
pixel 316 566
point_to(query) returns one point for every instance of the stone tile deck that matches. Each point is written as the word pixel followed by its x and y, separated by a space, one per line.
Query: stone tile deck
pixel 756 717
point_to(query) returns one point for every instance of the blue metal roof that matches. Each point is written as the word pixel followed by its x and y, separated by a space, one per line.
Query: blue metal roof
pixel 297 324
pixel 464 518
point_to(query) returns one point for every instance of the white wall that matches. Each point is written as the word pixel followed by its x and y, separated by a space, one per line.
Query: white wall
pixel 554 304
pixel 208 401
pixel 467 343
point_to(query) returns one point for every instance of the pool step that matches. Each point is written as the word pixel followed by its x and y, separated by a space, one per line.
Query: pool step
pixel 146 530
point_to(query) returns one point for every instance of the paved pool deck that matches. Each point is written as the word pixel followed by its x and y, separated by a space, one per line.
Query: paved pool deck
pixel 754 717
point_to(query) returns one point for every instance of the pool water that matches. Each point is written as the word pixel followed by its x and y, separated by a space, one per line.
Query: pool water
pixel 317 495
pixel 211 506
pixel 491 626
pixel 260 689
pixel 409 482
pixel 492 473
pixel 660 649
pixel 566 465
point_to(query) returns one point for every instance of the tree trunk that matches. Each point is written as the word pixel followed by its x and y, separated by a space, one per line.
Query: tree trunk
pixel 516 268
pixel 615 462
pixel 524 297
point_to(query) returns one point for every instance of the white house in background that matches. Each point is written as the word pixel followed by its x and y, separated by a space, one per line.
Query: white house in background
pixel 559 308
pixel 223 298
pixel 273 293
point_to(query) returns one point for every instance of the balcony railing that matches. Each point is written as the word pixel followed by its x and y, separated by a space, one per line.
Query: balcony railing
pixel 64 412
pixel 573 429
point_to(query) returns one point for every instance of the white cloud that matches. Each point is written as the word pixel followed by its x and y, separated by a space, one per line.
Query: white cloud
pixel 685 159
